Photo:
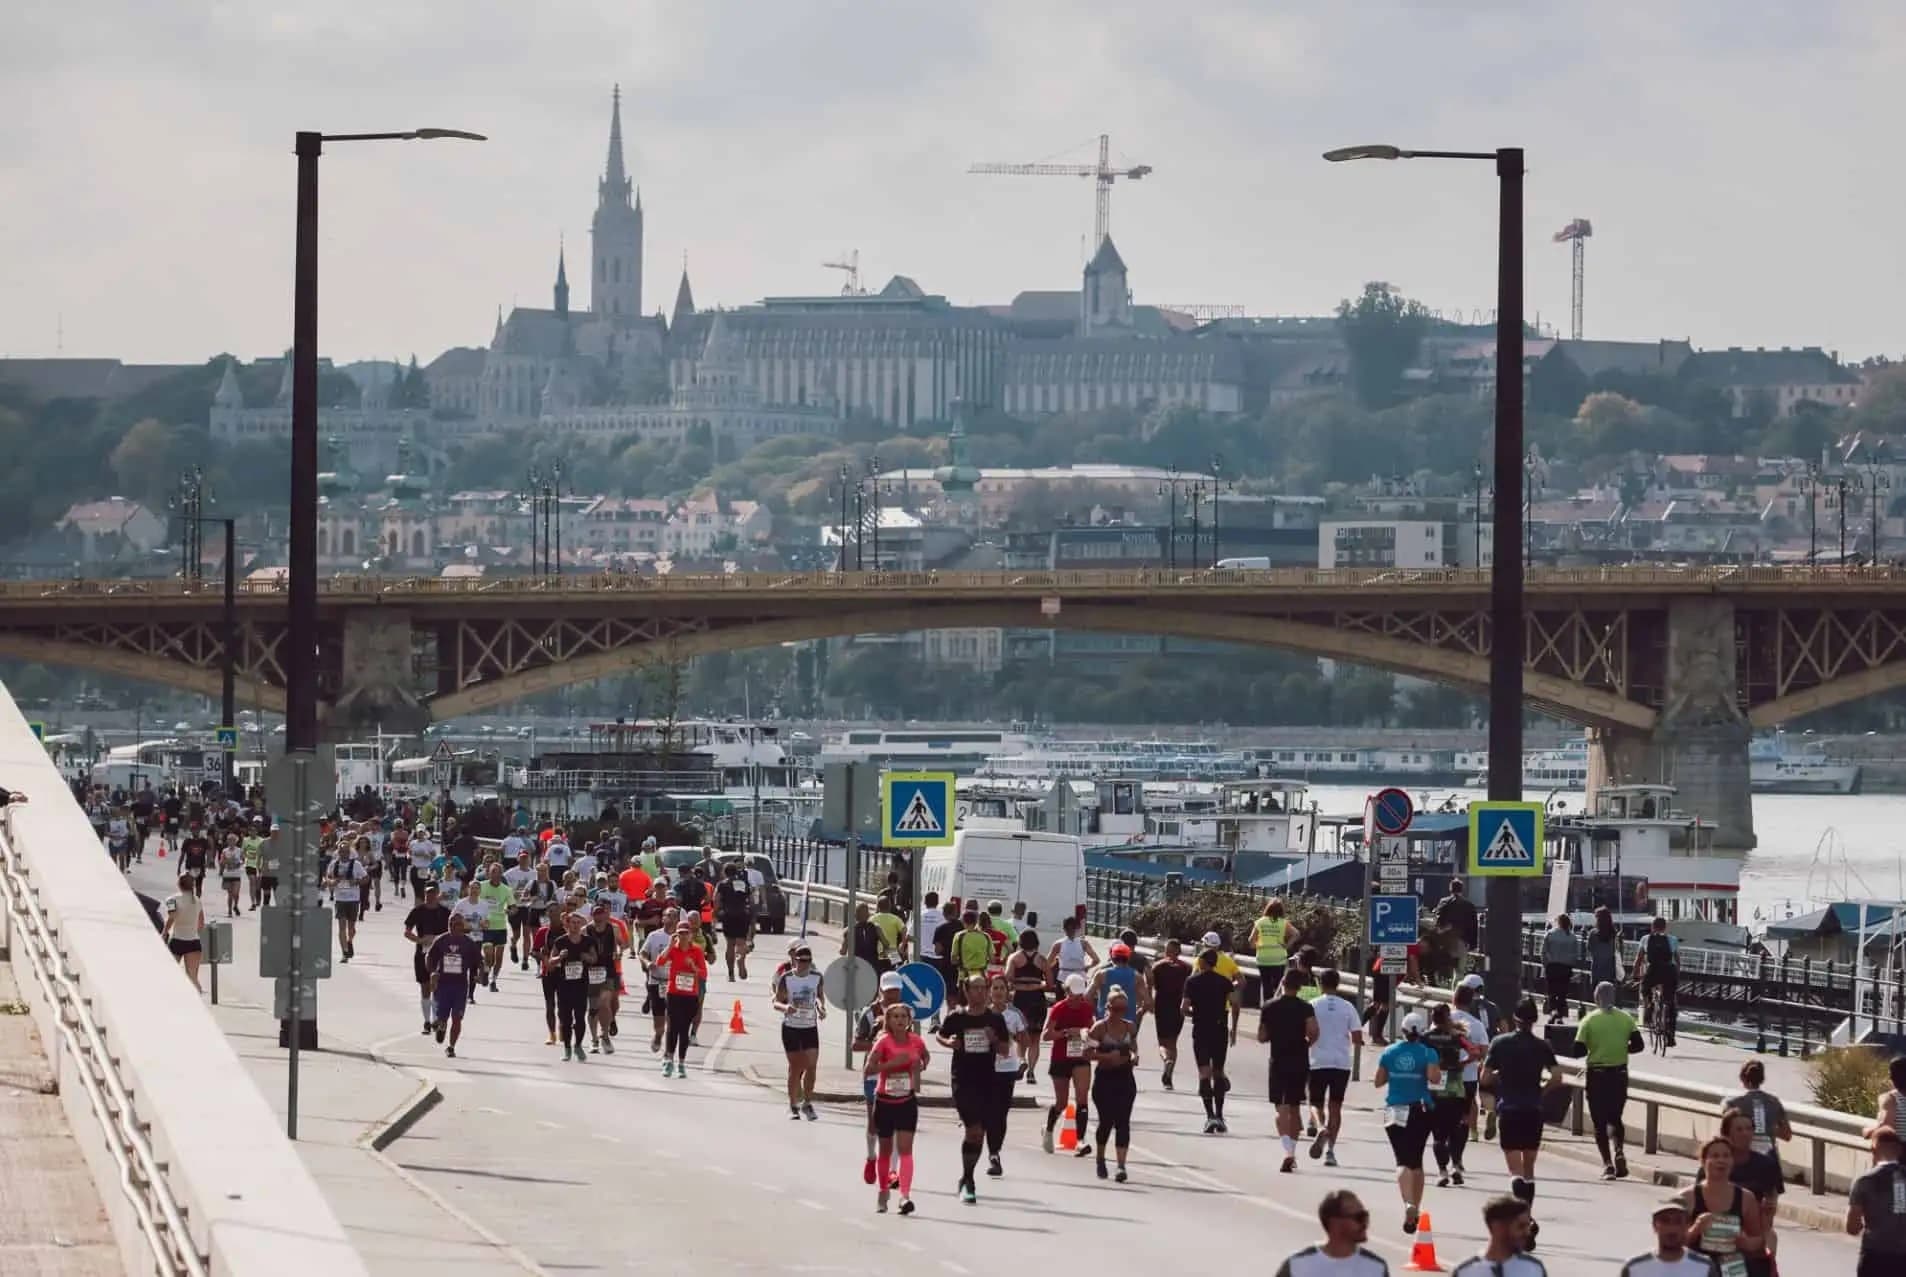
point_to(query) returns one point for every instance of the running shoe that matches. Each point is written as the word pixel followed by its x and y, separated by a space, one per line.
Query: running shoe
pixel 993 1167
pixel 867 1174
pixel 552 1040
pixel 580 1057
pixel 794 1113
pixel 1621 1166
pixel 451 1052
pixel 1045 1140
pixel 1317 1143
pixel 1084 1150
pixel 1489 1125
pixel 906 1205
pixel 1310 1129
pixel 1119 1175
pixel 807 1111
pixel 567 1052
pixel 668 1070
pixel 1330 1157
pixel 968 1194
pixel 427 1029
pixel 1211 1126
pixel 1224 1127
pixel 1442 1181
pixel 1608 1173
pixel 880 1204
pixel 1456 1176
pixel 1409 1219
pixel 1289 1167
pixel 1164 1079
pixel 608 1046
pixel 438 1030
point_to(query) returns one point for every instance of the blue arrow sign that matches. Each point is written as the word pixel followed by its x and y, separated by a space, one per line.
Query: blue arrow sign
pixel 922 988
pixel 1393 919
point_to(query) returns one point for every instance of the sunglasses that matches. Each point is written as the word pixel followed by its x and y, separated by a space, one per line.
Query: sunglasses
pixel 1355 1217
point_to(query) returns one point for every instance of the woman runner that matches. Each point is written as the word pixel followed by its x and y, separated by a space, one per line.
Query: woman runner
pixel 1028 978
pixel 895 1062
pixel 797 996
pixel 231 872
pixel 1410 1073
pixel 1070 1069
pixel 1726 1223
pixel 539 950
pixel 684 967
pixel 1006 1068
pixel 1114 1087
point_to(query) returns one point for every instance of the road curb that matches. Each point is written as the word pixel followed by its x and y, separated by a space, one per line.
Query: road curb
pixel 776 1079
pixel 392 1126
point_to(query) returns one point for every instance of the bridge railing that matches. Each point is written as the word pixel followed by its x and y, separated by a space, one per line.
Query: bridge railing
pixel 1407 580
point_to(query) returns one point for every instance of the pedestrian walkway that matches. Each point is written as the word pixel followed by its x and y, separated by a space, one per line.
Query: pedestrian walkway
pixel 51 1220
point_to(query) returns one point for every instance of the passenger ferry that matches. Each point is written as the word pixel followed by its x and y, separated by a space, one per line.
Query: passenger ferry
pixel 1387 764
pixel 960 750
pixel 1545 770
pixel 1143 760
pixel 1635 832
pixel 1776 768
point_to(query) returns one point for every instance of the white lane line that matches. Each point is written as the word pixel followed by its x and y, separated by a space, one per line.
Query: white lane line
pixel 722 1171
pixel 812 1205
pixel 712 1061
pixel 494 1112
pixel 951 1267
pixel 912 1246
pixel 550 1126
pixel 608 1139
pixel 759 1187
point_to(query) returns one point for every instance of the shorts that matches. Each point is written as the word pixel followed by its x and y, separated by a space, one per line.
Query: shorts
pixel 268 882
pixel 1519 1131
pixel 1031 1003
pixel 867 1088
pixel 251 871
pixel 974 1100
pixel 232 877
pixel 449 1001
pixel 497 936
pixel 1169 1022
pixel 417 963
pixel 1328 1086
pixel 182 947
pixel 347 910
pixel 894 1116
pixel 1064 1069
pixel 1289 1083
pixel 1407 1141
pixel 735 926
pixel 1210 1049
pixel 793 1039
pixel 523 918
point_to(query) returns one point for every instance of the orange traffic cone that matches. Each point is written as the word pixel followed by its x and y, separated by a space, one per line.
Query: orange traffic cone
pixel 1423 1254
pixel 734 1021
pixel 1069 1132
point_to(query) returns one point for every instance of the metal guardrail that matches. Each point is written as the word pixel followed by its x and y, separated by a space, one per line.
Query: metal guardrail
pixel 141 1175
pixel 1743 578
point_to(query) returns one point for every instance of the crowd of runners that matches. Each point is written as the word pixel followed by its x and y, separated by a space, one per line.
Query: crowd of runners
pixel 603 923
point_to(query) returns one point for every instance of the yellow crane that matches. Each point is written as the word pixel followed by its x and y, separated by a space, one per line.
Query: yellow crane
pixel 1102 171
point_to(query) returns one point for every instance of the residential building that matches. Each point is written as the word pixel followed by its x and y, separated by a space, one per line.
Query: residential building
pixel 1387 543
pixel 112 528
pixel 1773 383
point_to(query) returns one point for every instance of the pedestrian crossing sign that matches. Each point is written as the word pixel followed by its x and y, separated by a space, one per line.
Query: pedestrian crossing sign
pixel 228 739
pixel 1505 840
pixel 916 809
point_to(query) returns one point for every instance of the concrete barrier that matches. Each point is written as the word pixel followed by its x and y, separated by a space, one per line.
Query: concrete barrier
pixel 249 1205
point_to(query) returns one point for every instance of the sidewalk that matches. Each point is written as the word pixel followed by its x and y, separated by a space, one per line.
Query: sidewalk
pixel 51 1221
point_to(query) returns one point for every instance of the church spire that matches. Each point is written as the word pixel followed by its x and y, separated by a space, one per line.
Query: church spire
pixel 684 299
pixel 562 280
pixel 615 175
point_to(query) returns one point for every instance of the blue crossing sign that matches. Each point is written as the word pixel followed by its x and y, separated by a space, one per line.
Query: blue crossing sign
pixel 1505 840
pixel 922 988
pixel 1393 919
pixel 916 809
pixel 227 738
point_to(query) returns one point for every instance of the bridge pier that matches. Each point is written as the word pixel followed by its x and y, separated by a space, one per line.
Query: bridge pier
pixel 1699 744
pixel 377 686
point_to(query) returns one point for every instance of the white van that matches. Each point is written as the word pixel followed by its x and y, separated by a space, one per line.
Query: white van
pixel 1047 871
pixel 1250 563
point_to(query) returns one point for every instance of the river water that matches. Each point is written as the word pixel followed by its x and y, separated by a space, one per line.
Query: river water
pixel 1814 849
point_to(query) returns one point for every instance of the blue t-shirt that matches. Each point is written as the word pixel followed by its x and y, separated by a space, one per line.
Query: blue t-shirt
pixel 1407 1064
pixel 1122 977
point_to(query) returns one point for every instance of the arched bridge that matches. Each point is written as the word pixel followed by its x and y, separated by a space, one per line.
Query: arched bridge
pixel 1668 668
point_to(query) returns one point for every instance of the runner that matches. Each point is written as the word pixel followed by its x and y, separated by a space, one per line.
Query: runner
pixel 499 901
pixel 454 963
pixel 685 969
pixel 1449 1113
pixel 1338 1030
pixel 655 980
pixel 253 847
pixel 119 839
pixel 345 878
pixel 1274 936
pixel 1608 1033
pixel 1289 1026
pixel 1518 1068
pixel 1007 1066
pixel 422 854
pixel 195 850
pixel 867 1029
pixel 268 863
pixel 1763 1108
pixel 1027 978
pixel 734 908
pixel 1671 1256
pixel 1071 955
pixel 364 847
pixel 1726 1218
pixel 798 997
pixel 184 916
pixel 972 950
pixel 895 1062
pixel 1876 1209
pixel 977 1036
pixel 1120 974
pixel 1208 997
pixel 524 906
pixel 1408 1070
pixel 231 872
pixel 603 973
pixel 1114 1048
pixel 546 972
pixel 1165 981
pixel 1507 1219
pixel 569 955
pixel 1341 1253
pixel 1070 1068
pixel 1759 1174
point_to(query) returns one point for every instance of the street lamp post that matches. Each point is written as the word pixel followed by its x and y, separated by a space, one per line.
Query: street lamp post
pixel 1836 499
pixel 1169 490
pixel 1876 482
pixel 843 517
pixel 301 559
pixel 1475 516
pixel 1502 937
pixel 1810 483
pixel 1217 468
pixel 228 641
pixel 873 483
pixel 556 515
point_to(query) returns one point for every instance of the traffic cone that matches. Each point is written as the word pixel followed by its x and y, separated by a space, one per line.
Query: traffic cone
pixel 735 1024
pixel 1068 1132
pixel 1423 1254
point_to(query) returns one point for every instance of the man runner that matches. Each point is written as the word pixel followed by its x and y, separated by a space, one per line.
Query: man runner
pixel 977 1036
pixel 344 878
pixel 1339 1028
pixel 499 898
pixel 734 909
pixel 1289 1026
pixel 1166 979
pixel 454 961
pixel 1519 1067
pixel 427 919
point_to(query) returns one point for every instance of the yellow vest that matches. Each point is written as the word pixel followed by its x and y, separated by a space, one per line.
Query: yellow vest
pixel 1270 942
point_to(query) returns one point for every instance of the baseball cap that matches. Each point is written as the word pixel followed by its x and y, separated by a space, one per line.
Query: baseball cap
pixel 892 980
pixel 1075 983
pixel 1212 940
pixel 1414 1022
pixel 1667 1204
pixel 1472 981
pixel 1120 949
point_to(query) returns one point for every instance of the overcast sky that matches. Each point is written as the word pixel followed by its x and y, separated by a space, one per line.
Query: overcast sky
pixel 1739 159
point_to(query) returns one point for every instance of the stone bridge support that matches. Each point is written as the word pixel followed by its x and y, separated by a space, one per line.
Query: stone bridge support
pixel 1699 745
pixel 377 682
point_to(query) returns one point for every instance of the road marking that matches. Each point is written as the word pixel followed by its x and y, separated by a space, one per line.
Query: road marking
pixel 759 1187
pixel 494 1112
pixel 550 1126
pixel 951 1267
pixel 722 1171
pixel 812 1205
pixel 607 1139
pixel 711 1061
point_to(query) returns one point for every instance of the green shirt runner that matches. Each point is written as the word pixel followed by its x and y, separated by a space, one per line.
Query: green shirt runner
pixel 1606 1035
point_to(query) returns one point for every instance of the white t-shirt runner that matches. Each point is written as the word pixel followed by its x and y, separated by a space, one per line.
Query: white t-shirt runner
pixel 1312 1262
pixel 1337 1019
pixel 345 872
pixel 802 991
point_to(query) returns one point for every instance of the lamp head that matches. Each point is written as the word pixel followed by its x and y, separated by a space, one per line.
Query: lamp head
pixel 431 135
pixel 1376 151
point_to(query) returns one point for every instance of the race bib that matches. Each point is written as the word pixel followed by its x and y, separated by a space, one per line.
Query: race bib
pixel 572 970
pixel 901 1083
pixel 1899 1196
pixel 977 1041
pixel 598 975
pixel 1075 1048
pixel 1397 1114
pixel 685 982
pixel 453 964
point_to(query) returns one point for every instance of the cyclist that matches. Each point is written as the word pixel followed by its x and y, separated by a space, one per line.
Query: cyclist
pixel 1656 967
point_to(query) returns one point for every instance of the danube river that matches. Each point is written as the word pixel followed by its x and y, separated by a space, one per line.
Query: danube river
pixel 1813 848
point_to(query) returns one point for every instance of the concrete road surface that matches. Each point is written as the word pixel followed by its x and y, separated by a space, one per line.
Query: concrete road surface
pixel 607 1166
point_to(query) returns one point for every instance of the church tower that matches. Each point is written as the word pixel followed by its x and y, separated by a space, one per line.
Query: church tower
pixel 1106 298
pixel 562 283
pixel 615 287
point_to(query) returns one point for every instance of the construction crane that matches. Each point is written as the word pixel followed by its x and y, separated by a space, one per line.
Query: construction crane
pixel 850 264
pixel 1576 234
pixel 1103 171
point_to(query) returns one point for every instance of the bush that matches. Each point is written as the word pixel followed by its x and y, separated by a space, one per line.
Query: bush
pixel 1849 1079
pixel 1191 913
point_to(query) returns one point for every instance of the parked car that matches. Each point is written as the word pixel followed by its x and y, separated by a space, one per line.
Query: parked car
pixel 771 912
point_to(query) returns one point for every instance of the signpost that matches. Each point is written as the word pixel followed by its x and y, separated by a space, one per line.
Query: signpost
pixel 1393 920
pixel 1505 840
pixel 1392 810
pixel 38 729
pixel 227 738
pixel 300 789
pixel 923 989
pixel 917 809
pixel 842 974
